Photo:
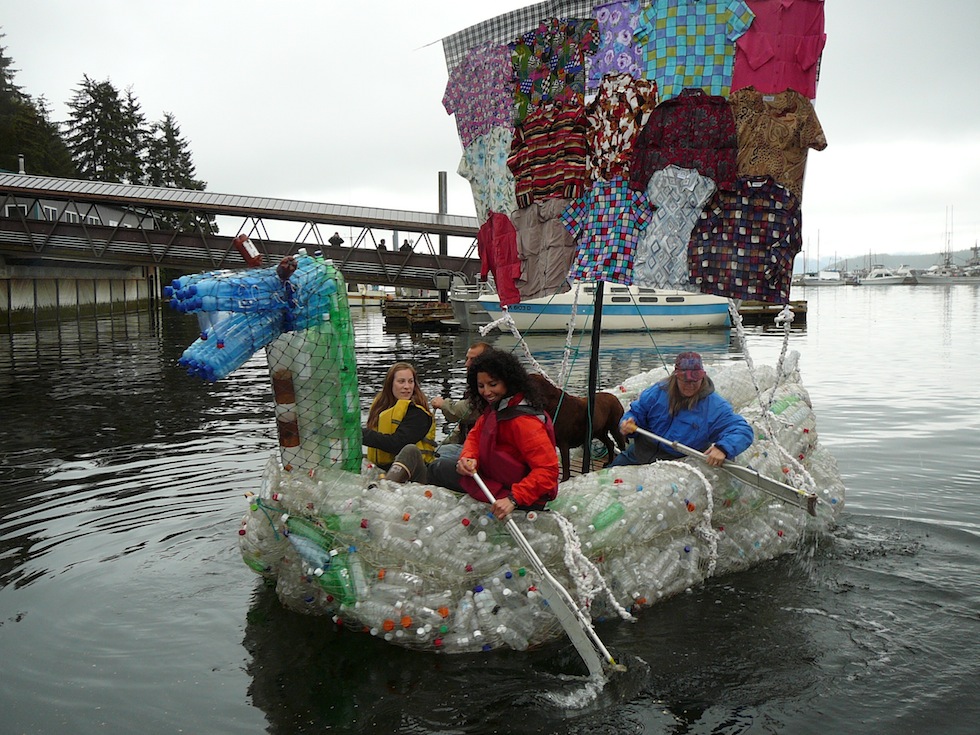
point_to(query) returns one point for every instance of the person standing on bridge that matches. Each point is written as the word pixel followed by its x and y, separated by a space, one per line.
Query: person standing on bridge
pixel 399 420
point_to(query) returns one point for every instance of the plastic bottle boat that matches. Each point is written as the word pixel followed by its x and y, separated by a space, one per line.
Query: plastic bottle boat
pixel 428 569
pixel 425 568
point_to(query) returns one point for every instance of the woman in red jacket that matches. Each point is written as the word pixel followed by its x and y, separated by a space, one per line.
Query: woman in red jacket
pixel 512 444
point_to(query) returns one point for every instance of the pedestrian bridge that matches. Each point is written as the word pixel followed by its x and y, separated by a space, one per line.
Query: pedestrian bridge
pixel 55 222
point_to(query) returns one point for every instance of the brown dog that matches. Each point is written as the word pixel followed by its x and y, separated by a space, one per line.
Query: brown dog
pixel 570 416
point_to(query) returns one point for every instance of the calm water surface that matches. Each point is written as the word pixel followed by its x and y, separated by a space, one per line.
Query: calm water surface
pixel 124 605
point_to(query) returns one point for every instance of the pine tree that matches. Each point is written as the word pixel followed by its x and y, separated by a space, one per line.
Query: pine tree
pixel 7 87
pixel 11 102
pixel 104 133
pixel 169 164
pixel 169 160
pixel 45 152
pixel 26 129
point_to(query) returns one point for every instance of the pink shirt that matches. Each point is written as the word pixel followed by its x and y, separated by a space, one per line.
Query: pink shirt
pixel 480 92
pixel 782 47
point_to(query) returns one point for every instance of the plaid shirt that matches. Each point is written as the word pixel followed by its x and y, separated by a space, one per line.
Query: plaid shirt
pixel 607 220
pixel 674 62
pixel 745 240
pixel 509 26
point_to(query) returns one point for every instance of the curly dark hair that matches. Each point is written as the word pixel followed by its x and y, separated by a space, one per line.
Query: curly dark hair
pixel 502 366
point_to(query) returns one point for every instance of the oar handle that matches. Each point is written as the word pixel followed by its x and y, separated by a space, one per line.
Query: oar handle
pixel 562 597
pixel 780 489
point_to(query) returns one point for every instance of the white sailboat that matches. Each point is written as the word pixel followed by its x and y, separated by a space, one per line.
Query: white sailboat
pixel 823 278
pixel 624 309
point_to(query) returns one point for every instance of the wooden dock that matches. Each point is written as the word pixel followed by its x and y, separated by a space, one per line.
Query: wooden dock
pixel 396 309
pixel 760 312
pixel 430 316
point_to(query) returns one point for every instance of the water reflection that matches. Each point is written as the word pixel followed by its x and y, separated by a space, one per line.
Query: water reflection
pixel 309 675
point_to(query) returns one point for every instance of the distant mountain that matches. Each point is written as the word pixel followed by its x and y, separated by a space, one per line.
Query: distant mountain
pixel 919 261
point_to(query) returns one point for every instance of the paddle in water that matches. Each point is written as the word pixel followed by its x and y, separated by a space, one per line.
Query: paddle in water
pixel 573 620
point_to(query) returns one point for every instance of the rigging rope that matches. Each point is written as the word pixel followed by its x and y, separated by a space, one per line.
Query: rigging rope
pixel 797 473
pixel 589 582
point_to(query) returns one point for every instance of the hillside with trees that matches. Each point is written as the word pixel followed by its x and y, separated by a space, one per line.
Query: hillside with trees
pixel 106 138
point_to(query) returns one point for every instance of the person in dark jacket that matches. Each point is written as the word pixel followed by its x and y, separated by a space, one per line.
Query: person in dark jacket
pixel 684 408
pixel 399 417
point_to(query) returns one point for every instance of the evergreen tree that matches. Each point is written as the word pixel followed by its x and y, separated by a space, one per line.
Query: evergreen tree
pixel 169 164
pixel 8 90
pixel 11 102
pixel 26 128
pixel 169 160
pixel 45 153
pixel 137 136
pixel 103 133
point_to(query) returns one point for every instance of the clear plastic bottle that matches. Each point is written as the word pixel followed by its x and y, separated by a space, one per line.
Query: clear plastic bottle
pixel 485 611
pixel 464 617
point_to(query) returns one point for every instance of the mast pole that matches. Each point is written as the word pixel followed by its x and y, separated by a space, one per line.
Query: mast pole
pixel 593 375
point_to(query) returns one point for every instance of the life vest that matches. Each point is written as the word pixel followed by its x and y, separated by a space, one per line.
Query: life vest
pixel 389 421
pixel 498 469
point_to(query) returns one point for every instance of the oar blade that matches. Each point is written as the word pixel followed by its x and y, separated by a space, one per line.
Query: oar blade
pixel 573 628
pixel 577 627
pixel 777 489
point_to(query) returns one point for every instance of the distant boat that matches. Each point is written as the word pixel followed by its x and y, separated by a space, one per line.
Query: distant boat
pixel 624 309
pixel 879 275
pixel 364 296
pixel 468 313
pixel 823 278
pixel 947 272
pixel 907 272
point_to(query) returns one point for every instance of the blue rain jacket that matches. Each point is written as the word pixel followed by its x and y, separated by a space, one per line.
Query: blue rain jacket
pixel 711 421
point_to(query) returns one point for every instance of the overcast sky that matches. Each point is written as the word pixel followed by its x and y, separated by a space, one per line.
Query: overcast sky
pixel 340 102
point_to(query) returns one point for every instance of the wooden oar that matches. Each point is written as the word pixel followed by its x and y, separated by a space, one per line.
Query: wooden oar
pixel 787 493
pixel 576 624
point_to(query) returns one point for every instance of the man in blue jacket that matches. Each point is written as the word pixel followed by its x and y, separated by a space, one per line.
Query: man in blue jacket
pixel 684 408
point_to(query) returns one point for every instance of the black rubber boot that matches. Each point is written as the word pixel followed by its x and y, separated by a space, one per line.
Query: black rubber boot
pixel 398 473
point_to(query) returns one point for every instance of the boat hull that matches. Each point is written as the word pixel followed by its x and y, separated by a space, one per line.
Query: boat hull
pixel 883 281
pixel 427 569
pixel 623 310
pixel 942 279
pixel 824 278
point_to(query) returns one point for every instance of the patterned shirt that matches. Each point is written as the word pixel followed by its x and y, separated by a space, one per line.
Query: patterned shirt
pixel 745 240
pixel 782 47
pixel 617 54
pixel 694 130
pixel 691 43
pixel 484 165
pixel 607 220
pixel 678 196
pixel 480 92
pixel 548 154
pixel 549 63
pixel 615 117
pixel 774 135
